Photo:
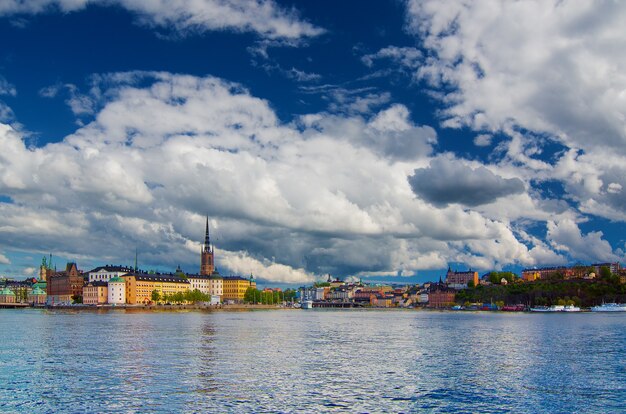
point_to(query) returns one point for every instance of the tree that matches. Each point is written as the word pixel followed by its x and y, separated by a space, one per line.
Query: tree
pixel 155 296
pixel 195 296
pixel 77 299
pixel 470 284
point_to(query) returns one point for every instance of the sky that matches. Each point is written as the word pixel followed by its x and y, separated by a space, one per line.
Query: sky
pixel 382 141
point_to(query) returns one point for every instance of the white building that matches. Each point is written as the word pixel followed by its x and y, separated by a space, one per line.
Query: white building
pixel 212 285
pixel 117 291
pixel 105 273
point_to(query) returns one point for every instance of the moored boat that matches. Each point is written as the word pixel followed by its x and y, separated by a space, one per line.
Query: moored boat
pixel 307 304
pixel 571 308
pixel 514 308
pixel 610 307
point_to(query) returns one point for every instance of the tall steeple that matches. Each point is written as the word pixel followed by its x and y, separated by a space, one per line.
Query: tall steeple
pixel 207 238
pixel 207 262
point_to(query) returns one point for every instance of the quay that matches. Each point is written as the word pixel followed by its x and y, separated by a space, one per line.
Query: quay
pixel 14 305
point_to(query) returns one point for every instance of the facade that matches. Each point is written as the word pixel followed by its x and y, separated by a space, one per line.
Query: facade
pixel 139 286
pixel 105 273
pixel 116 291
pixel 207 260
pixel 62 286
pixel 200 282
pixel 235 287
pixel 37 296
pixel 530 275
pixel 613 267
pixel 460 280
pixel 440 295
pixel 95 293
pixel 7 295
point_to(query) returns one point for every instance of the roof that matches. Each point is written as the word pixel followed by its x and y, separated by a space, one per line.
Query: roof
pixel 99 283
pixel 111 268
pixel 117 279
pixel 37 291
pixel 6 291
pixel 158 277
pixel 235 278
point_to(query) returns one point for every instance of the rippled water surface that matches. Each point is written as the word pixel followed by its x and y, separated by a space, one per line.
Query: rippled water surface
pixel 311 361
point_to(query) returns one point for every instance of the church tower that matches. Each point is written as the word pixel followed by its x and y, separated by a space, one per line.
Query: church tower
pixel 207 263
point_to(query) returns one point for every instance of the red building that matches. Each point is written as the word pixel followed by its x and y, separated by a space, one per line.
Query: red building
pixel 62 286
pixel 440 296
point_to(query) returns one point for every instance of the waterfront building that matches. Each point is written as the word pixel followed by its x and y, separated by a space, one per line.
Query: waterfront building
pixel 460 280
pixel 235 287
pixel 105 273
pixel 37 296
pixel 116 291
pixel 210 284
pixel 64 285
pixel 342 294
pixel 95 293
pixel 139 286
pixel 7 295
pixel 440 295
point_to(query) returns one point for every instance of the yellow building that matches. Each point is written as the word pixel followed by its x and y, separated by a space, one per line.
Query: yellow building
pixel 95 293
pixel 139 286
pixel 235 287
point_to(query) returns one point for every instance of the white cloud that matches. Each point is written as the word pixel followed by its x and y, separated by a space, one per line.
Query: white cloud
pixel 327 193
pixel 483 140
pixel 4 259
pixel 409 57
pixel 547 66
pixel 263 17
pixel 6 88
pixel 566 236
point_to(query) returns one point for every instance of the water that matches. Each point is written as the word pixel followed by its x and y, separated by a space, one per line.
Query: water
pixel 311 361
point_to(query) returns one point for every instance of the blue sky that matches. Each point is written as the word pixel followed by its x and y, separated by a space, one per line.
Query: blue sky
pixel 381 140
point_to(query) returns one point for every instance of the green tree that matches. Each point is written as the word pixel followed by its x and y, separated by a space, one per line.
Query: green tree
pixel 77 299
pixel 155 296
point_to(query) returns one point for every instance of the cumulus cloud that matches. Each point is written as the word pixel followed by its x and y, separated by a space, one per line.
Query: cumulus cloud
pixel 566 236
pixel 448 181
pixel 327 193
pixel 263 17
pixel 515 63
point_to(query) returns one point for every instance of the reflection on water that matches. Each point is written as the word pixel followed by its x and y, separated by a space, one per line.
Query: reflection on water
pixel 311 361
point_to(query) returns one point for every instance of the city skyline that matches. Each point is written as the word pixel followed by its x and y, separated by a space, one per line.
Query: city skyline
pixel 381 141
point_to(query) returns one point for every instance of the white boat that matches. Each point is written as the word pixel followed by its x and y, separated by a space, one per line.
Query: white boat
pixel 307 304
pixel 571 308
pixel 553 308
pixel 610 307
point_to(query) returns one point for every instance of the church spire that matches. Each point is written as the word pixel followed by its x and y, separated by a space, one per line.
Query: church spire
pixel 207 239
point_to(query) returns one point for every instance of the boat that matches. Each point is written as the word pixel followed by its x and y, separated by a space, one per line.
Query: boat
pixel 553 308
pixel 610 307
pixel 457 307
pixel 571 308
pixel 514 308
pixel 307 304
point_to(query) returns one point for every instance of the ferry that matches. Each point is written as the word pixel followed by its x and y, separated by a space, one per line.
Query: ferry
pixel 610 307
pixel 307 304
pixel 571 308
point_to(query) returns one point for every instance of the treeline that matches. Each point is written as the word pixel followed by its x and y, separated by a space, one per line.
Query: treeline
pixel 253 295
pixel 188 296
pixel 584 293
